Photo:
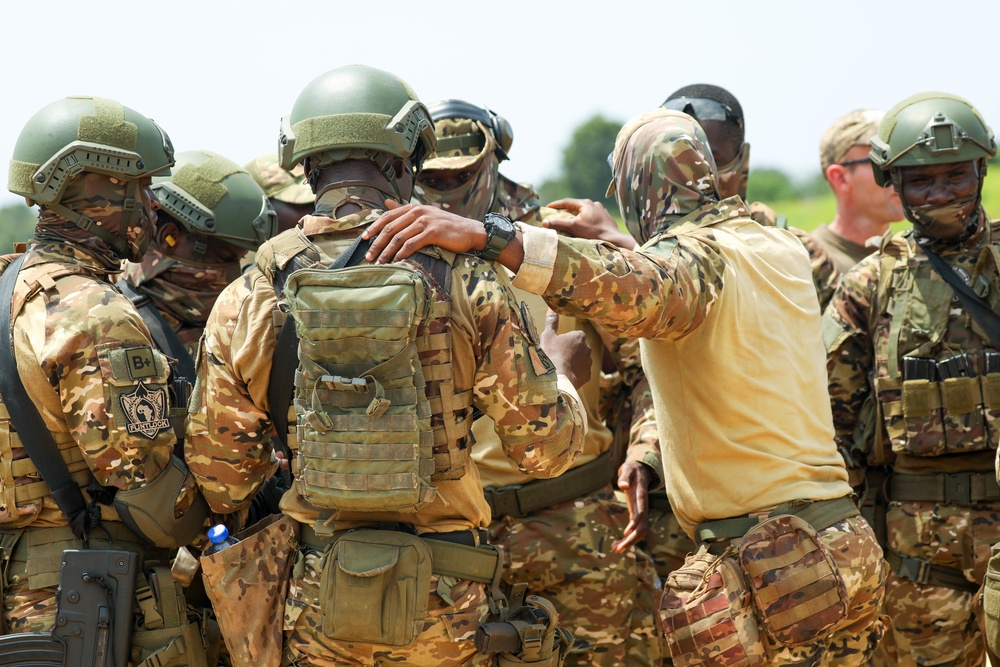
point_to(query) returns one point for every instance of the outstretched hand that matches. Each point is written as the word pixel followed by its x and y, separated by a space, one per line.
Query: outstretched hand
pixel 588 219
pixel 634 479
pixel 406 228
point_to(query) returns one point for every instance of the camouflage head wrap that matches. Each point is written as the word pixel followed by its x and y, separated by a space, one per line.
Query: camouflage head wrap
pixel 854 129
pixel 734 175
pixel 186 290
pixel 102 199
pixel 287 186
pixel 663 170
pixel 474 197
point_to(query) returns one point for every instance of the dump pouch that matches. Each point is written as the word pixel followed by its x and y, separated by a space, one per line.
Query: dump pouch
pixel 247 584
pixel 375 586
pixel 797 589
pixel 94 614
pixel 706 614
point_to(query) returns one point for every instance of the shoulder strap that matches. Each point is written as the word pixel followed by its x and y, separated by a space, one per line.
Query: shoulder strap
pixel 31 429
pixel 977 306
pixel 281 383
pixel 163 335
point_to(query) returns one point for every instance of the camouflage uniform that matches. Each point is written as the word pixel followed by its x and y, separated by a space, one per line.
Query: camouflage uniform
pixel 287 186
pixel 931 624
pixel 562 551
pixel 677 294
pixel 493 356
pixel 86 360
pixel 184 293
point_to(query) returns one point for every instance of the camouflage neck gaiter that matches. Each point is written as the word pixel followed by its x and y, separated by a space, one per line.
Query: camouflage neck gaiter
pixel 663 171
pixel 186 290
pixel 100 198
pixel 331 199
pixel 734 174
pixel 945 221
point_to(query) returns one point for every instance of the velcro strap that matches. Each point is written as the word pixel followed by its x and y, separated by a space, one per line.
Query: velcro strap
pixel 963 488
pixel 924 572
pixel 523 500
pixel 460 141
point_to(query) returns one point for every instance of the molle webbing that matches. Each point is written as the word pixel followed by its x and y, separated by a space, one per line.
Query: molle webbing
pixel 966 488
pixel 522 500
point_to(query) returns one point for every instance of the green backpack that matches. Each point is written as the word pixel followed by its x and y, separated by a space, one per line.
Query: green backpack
pixel 363 431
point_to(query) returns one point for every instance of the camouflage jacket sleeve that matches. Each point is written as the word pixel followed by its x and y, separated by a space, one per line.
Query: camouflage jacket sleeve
pixel 87 363
pixel 849 354
pixel 665 291
pixel 228 445
pixel 824 271
pixel 536 414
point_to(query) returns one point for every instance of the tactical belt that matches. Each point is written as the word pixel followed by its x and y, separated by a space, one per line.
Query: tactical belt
pixel 963 488
pixel 924 572
pixel 820 514
pixel 452 554
pixel 522 500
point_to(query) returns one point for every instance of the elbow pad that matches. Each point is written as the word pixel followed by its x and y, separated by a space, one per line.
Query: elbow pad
pixel 149 510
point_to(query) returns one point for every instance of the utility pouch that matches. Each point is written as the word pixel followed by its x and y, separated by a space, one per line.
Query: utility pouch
pixel 542 642
pixel 247 584
pixel 374 587
pixel 169 638
pixel 990 383
pixel 797 589
pixel 706 614
pixel 991 601
pixel 94 613
pixel 923 419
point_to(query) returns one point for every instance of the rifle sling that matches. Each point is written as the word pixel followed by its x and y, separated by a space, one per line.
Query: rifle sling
pixel 978 307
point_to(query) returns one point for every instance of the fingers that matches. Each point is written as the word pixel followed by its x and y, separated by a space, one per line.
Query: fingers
pixel 568 204
pixel 390 231
pixel 559 224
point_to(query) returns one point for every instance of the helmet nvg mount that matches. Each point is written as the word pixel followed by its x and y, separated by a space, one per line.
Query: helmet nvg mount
pixel 357 112
pixel 930 128
pixel 212 196
pixel 87 134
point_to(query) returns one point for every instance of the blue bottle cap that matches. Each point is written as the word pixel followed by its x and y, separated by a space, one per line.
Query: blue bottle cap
pixel 218 534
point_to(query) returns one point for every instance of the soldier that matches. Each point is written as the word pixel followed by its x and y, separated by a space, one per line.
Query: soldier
pixel 864 208
pixel 287 191
pixel 714 297
pixel 907 358
pixel 86 362
pixel 211 213
pixel 555 533
pixel 362 134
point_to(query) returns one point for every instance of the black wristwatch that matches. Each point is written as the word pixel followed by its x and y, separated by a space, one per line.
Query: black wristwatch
pixel 499 231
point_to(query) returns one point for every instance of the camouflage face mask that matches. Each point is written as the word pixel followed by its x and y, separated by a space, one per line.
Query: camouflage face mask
pixel 734 174
pixel 945 221
pixel 474 197
pixel 186 290
pixel 663 171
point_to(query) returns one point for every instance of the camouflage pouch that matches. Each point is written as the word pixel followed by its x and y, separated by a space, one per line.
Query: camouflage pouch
pixel 923 420
pixel 706 614
pixel 991 602
pixel 247 584
pixel 990 384
pixel 797 589
pixel 375 587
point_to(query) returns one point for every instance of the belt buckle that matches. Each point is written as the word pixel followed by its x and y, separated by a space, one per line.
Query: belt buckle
pixel 503 500
pixel 958 488
pixel 914 569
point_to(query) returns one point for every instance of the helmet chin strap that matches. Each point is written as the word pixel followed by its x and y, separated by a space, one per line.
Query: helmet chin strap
pixel 117 242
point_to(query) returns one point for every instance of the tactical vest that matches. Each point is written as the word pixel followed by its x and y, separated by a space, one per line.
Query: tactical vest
pixel 23 490
pixel 936 402
pixel 377 416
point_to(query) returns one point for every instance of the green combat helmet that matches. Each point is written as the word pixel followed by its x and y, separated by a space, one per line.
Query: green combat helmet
pixel 88 134
pixel 357 112
pixel 212 196
pixel 930 128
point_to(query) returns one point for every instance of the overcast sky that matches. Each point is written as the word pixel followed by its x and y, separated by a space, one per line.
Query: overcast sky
pixel 219 74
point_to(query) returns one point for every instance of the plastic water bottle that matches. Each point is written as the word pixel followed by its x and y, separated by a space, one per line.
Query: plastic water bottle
pixel 218 535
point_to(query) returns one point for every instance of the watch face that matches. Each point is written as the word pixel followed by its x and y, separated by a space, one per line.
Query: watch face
pixel 499 225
